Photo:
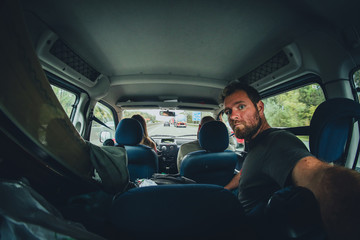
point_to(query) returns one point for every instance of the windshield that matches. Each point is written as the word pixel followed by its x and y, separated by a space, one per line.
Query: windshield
pixel 180 124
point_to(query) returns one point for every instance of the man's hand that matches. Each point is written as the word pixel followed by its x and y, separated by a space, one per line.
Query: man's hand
pixel 234 183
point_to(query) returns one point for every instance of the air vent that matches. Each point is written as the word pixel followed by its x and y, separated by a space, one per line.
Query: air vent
pixel 66 55
pixel 277 62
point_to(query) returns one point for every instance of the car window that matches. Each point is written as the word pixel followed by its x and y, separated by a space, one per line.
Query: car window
pixel 356 79
pixel 294 108
pixel 66 98
pixel 103 127
pixel 183 124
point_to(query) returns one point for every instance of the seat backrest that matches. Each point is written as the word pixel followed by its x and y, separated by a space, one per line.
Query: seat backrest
pixel 331 129
pixel 142 160
pixel 178 211
pixel 294 212
pixel 214 164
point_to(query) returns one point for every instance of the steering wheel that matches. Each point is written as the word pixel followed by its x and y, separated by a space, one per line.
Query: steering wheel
pixel 156 144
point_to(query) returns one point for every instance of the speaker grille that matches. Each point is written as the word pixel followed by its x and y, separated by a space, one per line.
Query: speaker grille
pixel 270 66
pixel 66 55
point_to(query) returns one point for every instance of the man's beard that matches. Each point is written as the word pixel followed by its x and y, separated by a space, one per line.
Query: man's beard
pixel 248 131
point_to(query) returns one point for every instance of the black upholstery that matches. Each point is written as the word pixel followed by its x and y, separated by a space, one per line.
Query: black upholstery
pixel 214 137
pixel 294 213
pixel 331 128
pixel 109 142
pixel 179 211
pixel 214 164
pixel 142 160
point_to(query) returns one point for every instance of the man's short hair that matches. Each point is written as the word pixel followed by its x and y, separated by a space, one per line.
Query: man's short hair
pixel 236 85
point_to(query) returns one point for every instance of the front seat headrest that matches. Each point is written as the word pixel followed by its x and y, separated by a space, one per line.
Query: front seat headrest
pixel 214 136
pixel 129 132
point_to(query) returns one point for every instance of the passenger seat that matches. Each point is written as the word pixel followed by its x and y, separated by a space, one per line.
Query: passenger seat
pixel 214 164
pixel 142 160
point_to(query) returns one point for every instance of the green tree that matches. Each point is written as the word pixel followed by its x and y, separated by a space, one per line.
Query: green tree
pixel 293 108
pixel 66 99
pixel 103 113
pixel 148 117
pixel 356 78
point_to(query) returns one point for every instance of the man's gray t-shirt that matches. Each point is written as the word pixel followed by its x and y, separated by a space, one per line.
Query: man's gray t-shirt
pixel 271 157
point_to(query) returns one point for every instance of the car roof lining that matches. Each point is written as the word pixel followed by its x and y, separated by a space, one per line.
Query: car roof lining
pixel 174 42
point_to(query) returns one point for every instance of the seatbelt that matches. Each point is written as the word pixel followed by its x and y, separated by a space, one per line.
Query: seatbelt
pixel 100 122
pixel 345 154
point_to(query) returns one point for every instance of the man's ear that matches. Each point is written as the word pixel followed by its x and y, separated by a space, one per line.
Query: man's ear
pixel 260 107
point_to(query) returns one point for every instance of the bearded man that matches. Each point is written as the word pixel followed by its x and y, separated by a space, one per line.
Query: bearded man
pixel 276 158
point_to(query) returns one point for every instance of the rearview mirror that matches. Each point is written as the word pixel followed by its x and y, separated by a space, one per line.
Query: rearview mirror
pixel 167 113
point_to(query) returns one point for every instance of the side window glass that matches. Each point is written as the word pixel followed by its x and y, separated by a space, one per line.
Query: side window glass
pixel 356 78
pixel 294 108
pixel 66 98
pixel 105 128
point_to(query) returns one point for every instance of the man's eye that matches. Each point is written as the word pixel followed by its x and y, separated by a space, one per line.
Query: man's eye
pixel 227 112
pixel 241 107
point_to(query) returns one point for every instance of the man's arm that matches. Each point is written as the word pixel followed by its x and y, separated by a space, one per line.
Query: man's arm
pixel 337 190
pixel 234 183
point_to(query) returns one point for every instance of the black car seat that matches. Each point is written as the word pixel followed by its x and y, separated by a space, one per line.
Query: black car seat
pixel 331 129
pixel 214 164
pixel 293 213
pixel 142 160
pixel 179 211
pixel 109 142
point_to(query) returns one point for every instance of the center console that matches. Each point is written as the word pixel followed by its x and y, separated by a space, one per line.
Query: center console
pixel 168 150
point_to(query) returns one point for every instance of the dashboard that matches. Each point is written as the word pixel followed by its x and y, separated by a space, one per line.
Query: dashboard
pixel 167 156
pixel 168 147
pixel 168 140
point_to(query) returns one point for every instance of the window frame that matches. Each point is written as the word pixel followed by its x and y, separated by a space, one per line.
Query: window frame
pixel 58 82
pixel 355 90
pixel 292 85
pixel 115 116
pixel 356 93
pixel 116 119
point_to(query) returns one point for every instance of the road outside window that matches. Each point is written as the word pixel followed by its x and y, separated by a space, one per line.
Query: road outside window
pixel 177 124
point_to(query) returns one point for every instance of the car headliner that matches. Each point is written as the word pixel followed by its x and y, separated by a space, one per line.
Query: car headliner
pixel 156 51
